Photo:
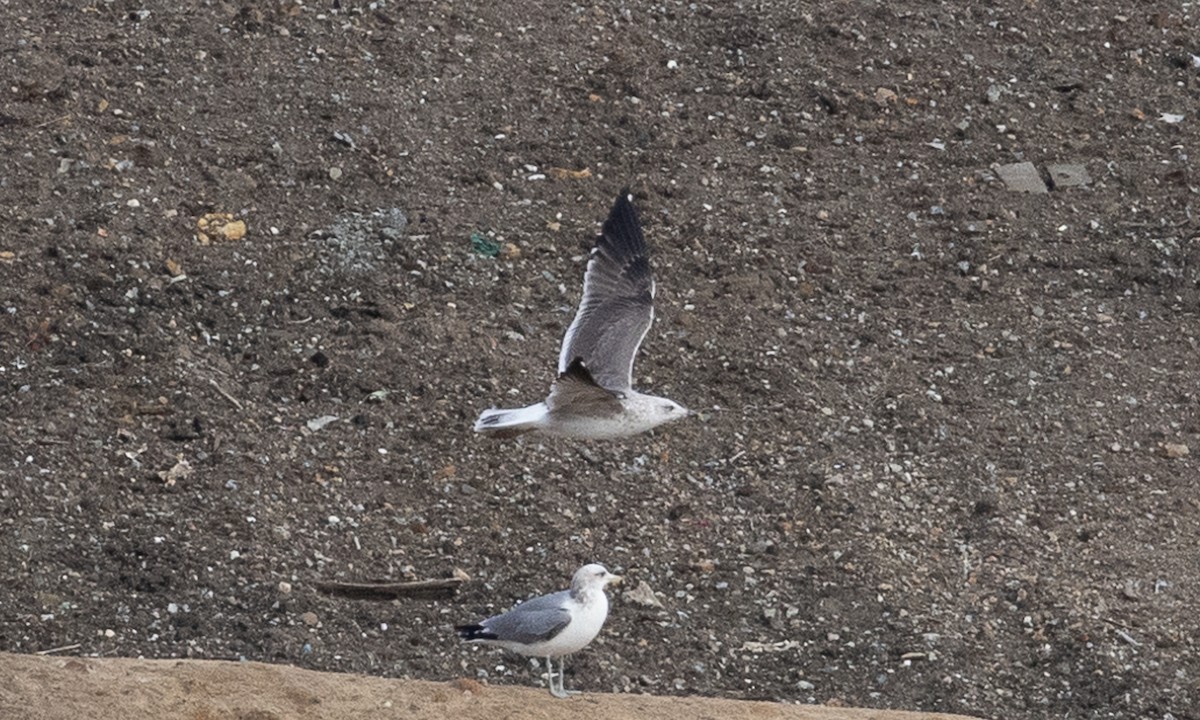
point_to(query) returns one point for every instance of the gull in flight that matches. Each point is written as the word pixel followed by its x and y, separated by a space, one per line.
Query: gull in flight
pixel 551 626
pixel 593 396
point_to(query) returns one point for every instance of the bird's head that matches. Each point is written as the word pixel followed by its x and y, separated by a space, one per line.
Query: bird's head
pixel 670 410
pixel 593 577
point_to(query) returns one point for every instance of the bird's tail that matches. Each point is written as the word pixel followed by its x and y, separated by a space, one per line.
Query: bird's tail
pixel 510 423
pixel 474 632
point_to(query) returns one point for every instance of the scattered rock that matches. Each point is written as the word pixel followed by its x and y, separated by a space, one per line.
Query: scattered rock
pixel 643 595
pixel 180 470
pixel 1176 450
pixel 219 226
pixel 1021 177
pixel 1066 175
pixel 235 230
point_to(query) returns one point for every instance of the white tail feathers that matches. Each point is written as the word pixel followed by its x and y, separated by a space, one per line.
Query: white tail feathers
pixel 511 423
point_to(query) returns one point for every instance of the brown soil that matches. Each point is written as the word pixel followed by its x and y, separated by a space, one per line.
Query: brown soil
pixel 71 688
pixel 940 463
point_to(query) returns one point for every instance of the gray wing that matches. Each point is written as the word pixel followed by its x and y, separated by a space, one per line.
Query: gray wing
pixel 618 302
pixel 532 621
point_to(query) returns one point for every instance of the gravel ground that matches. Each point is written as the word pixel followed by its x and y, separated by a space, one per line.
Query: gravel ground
pixel 251 309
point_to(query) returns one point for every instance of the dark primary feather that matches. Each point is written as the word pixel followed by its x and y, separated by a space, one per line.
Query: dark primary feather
pixel 474 632
pixel 621 238
pixel 618 302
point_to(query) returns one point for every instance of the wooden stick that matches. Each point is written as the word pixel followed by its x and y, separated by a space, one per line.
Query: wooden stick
pixel 51 122
pixel 424 589
pixel 51 651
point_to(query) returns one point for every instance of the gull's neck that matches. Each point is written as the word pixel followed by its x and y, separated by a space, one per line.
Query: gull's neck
pixel 585 594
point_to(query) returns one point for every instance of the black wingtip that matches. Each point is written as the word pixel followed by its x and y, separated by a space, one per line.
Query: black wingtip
pixel 474 632
pixel 623 205
pixel 622 232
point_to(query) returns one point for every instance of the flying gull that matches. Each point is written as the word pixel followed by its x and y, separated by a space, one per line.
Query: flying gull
pixel 551 626
pixel 593 396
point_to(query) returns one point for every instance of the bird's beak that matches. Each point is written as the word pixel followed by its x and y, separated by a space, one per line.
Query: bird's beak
pixel 614 580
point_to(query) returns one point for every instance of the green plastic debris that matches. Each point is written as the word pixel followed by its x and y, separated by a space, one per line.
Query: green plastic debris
pixel 484 245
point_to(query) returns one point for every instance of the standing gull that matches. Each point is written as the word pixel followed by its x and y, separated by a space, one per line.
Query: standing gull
pixel 593 396
pixel 551 626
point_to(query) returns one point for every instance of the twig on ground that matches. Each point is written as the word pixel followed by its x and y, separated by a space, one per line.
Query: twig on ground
pixel 224 394
pixel 51 122
pixel 426 589
pixel 63 648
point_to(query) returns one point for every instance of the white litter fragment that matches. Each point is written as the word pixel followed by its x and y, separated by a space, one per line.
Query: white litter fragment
pixel 761 647
pixel 319 422
pixel 1171 118
pixel 1128 638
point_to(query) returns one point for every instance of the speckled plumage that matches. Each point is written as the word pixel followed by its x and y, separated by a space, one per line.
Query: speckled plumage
pixel 593 396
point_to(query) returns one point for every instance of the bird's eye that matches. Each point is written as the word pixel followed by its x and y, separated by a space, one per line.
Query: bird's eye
pixel 669 408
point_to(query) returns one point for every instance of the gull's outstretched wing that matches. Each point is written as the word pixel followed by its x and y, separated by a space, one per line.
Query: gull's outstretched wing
pixel 618 302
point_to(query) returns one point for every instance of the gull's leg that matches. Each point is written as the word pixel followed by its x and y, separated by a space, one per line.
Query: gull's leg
pixel 555 690
pixel 562 678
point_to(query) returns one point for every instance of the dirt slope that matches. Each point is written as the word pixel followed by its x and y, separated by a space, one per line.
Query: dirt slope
pixel 263 263
pixel 118 689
